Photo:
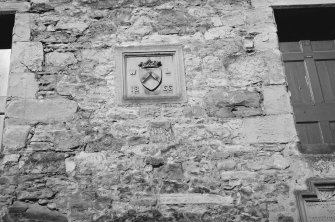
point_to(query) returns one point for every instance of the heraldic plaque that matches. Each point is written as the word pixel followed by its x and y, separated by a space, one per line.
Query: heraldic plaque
pixel 317 204
pixel 151 74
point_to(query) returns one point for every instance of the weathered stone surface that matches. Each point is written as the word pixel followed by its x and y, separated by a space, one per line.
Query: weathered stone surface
pixel 75 25
pixel 169 199
pixel 44 162
pixel 276 100
pixel 26 57
pixel 60 60
pixel 208 159
pixel 269 129
pixel 15 137
pixel 42 110
pixel 161 132
pixel 277 161
pixel 23 85
pixel 219 32
pixel 33 212
pixel 21 30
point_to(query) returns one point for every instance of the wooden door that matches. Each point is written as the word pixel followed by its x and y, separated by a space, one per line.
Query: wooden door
pixel 310 71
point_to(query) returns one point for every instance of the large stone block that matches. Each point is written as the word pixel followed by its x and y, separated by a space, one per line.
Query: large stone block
pixel 276 100
pixel 23 85
pixel 42 110
pixel 26 56
pixel 15 6
pixel 269 129
pixel 221 103
pixel 194 198
pixel 15 138
pixel 263 67
pixel 21 30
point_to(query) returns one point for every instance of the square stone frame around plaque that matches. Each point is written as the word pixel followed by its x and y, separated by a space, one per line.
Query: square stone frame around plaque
pixel 122 52
pixel 310 193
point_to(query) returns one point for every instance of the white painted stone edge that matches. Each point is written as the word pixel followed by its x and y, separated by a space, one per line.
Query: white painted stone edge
pixel 289 3
pixel 2 120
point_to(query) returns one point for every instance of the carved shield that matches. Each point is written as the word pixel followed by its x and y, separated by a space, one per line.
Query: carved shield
pixel 150 78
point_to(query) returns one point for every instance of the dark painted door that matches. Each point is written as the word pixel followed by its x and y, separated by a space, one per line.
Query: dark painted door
pixel 310 72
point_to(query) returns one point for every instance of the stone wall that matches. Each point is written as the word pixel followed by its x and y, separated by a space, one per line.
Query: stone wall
pixel 70 152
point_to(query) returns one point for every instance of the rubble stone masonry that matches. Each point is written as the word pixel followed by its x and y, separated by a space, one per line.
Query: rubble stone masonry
pixel 71 152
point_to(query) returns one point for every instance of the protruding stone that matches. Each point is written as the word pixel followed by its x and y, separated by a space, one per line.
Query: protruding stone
pixel 278 162
pixel 194 198
pixel 42 110
pixel 26 56
pixel 219 32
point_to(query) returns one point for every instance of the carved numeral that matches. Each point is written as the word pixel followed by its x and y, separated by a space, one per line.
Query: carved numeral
pixel 168 89
pixel 135 90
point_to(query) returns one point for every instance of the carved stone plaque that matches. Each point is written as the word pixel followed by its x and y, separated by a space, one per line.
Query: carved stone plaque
pixel 317 204
pixel 151 74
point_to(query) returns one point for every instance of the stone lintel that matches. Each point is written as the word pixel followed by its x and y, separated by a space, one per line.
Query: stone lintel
pixel 194 198
pixel 14 6
pixel 21 30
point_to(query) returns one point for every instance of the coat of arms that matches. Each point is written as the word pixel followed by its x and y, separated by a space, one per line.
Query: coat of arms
pixel 150 74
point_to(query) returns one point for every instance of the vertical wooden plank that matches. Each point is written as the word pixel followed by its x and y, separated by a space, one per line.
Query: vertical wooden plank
pixel 326 132
pixel 332 129
pixel 312 77
pixel 300 92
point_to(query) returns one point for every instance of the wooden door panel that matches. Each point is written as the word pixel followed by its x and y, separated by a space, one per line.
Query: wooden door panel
pixel 309 132
pixel 323 45
pixel 326 72
pixel 310 71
